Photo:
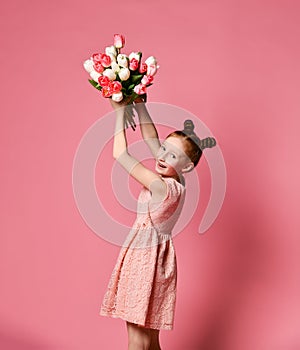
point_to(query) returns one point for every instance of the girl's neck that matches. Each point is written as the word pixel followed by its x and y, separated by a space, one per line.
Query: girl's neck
pixel 181 179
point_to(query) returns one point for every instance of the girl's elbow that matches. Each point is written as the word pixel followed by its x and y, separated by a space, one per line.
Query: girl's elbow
pixel 116 153
pixel 115 156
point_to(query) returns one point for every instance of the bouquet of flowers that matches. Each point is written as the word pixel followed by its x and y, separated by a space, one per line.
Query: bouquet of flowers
pixel 119 76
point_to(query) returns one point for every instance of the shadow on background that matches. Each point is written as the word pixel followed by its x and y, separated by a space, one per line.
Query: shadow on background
pixel 15 341
pixel 244 262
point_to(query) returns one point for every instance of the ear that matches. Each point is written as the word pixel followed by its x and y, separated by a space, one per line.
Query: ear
pixel 188 167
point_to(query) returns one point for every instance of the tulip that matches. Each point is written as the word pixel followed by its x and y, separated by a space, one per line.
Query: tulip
pixel 147 79
pixel 117 97
pixel 98 67
pixel 111 50
pixel 115 67
pixel 151 60
pixel 95 76
pixel 97 57
pixel 119 41
pixel 88 65
pixel 107 91
pixel 116 86
pixel 105 60
pixel 112 57
pixel 122 60
pixel 140 89
pixel 133 64
pixel 143 68
pixel 124 73
pixel 151 69
pixel 103 80
pixel 135 55
pixel 110 74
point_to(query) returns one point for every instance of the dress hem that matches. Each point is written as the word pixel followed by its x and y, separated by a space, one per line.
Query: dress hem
pixel 143 324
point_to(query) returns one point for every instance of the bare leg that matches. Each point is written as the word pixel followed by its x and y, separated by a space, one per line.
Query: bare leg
pixel 154 340
pixel 139 338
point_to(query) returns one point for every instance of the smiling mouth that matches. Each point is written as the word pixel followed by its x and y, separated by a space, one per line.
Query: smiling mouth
pixel 161 165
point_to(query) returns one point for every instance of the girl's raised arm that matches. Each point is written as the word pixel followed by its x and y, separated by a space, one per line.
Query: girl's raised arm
pixel 147 126
pixel 145 176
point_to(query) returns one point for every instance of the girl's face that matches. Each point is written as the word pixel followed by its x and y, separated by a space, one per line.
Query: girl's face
pixel 171 160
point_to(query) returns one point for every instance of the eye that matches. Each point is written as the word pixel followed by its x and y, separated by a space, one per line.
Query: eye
pixel 173 155
pixel 163 147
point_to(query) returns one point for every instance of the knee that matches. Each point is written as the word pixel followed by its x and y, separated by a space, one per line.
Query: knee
pixel 139 343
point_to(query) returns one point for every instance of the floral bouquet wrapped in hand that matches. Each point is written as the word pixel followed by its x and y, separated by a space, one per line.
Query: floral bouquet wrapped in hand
pixel 119 76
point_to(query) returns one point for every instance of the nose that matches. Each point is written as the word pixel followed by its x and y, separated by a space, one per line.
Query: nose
pixel 162 156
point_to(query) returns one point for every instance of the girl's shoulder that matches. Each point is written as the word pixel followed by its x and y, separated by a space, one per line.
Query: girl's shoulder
pixel 174 181
pixel 174 188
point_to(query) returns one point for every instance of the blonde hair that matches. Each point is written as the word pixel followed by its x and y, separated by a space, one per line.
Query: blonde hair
pixel 193 145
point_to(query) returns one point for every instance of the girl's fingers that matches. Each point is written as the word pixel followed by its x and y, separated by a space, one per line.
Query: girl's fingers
pixel 129 119
pixel 141 99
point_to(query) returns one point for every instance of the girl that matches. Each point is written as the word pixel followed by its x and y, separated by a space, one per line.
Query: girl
pixel 142 288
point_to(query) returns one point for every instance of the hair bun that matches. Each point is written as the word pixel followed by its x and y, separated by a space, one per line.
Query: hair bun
pixel 208 142
pixel 188 127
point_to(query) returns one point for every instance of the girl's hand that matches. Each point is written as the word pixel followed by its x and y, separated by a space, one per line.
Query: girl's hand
pixel 141 99
pixel 125 108
pixel 117 105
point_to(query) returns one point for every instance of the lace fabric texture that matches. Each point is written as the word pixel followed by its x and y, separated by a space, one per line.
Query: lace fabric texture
pixel 142 287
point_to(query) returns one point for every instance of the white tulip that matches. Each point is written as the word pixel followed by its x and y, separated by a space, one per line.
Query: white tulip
pixel 122 60
pixel 110 74
pixel 117 96
pixel 111 50
pixel 115 67
pixel 88 65
pixel 135 55
pixel 124 73
pixel 95 75
pixel 112 58
pixel 151 60
pixel 151 69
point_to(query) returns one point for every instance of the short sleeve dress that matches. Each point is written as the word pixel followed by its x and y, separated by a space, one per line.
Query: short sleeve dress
pixel 142 287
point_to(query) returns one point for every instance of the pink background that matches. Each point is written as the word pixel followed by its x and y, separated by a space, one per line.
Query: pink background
pixel 235 64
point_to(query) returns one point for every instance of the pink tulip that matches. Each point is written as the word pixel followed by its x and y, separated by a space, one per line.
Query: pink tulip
pixel 96 57
pixel 151 70
pixel 140 89
pixel 119 41
pixel 116 86
pixel 133 64
pixel 107 91
pixel 98 67
pixel 105 60
pixel 103 80
pixel 143 68
pixel 147 79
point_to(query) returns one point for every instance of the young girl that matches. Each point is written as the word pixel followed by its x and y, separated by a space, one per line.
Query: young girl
pixel 142 287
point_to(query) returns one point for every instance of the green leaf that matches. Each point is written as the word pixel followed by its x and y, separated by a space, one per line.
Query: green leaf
pixel 125 83
pixel 134 96
pixel 93 82
pixel 96 85
pixel 136 78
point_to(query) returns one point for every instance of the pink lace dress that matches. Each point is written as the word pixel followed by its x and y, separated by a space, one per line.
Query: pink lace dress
pixel 142 287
